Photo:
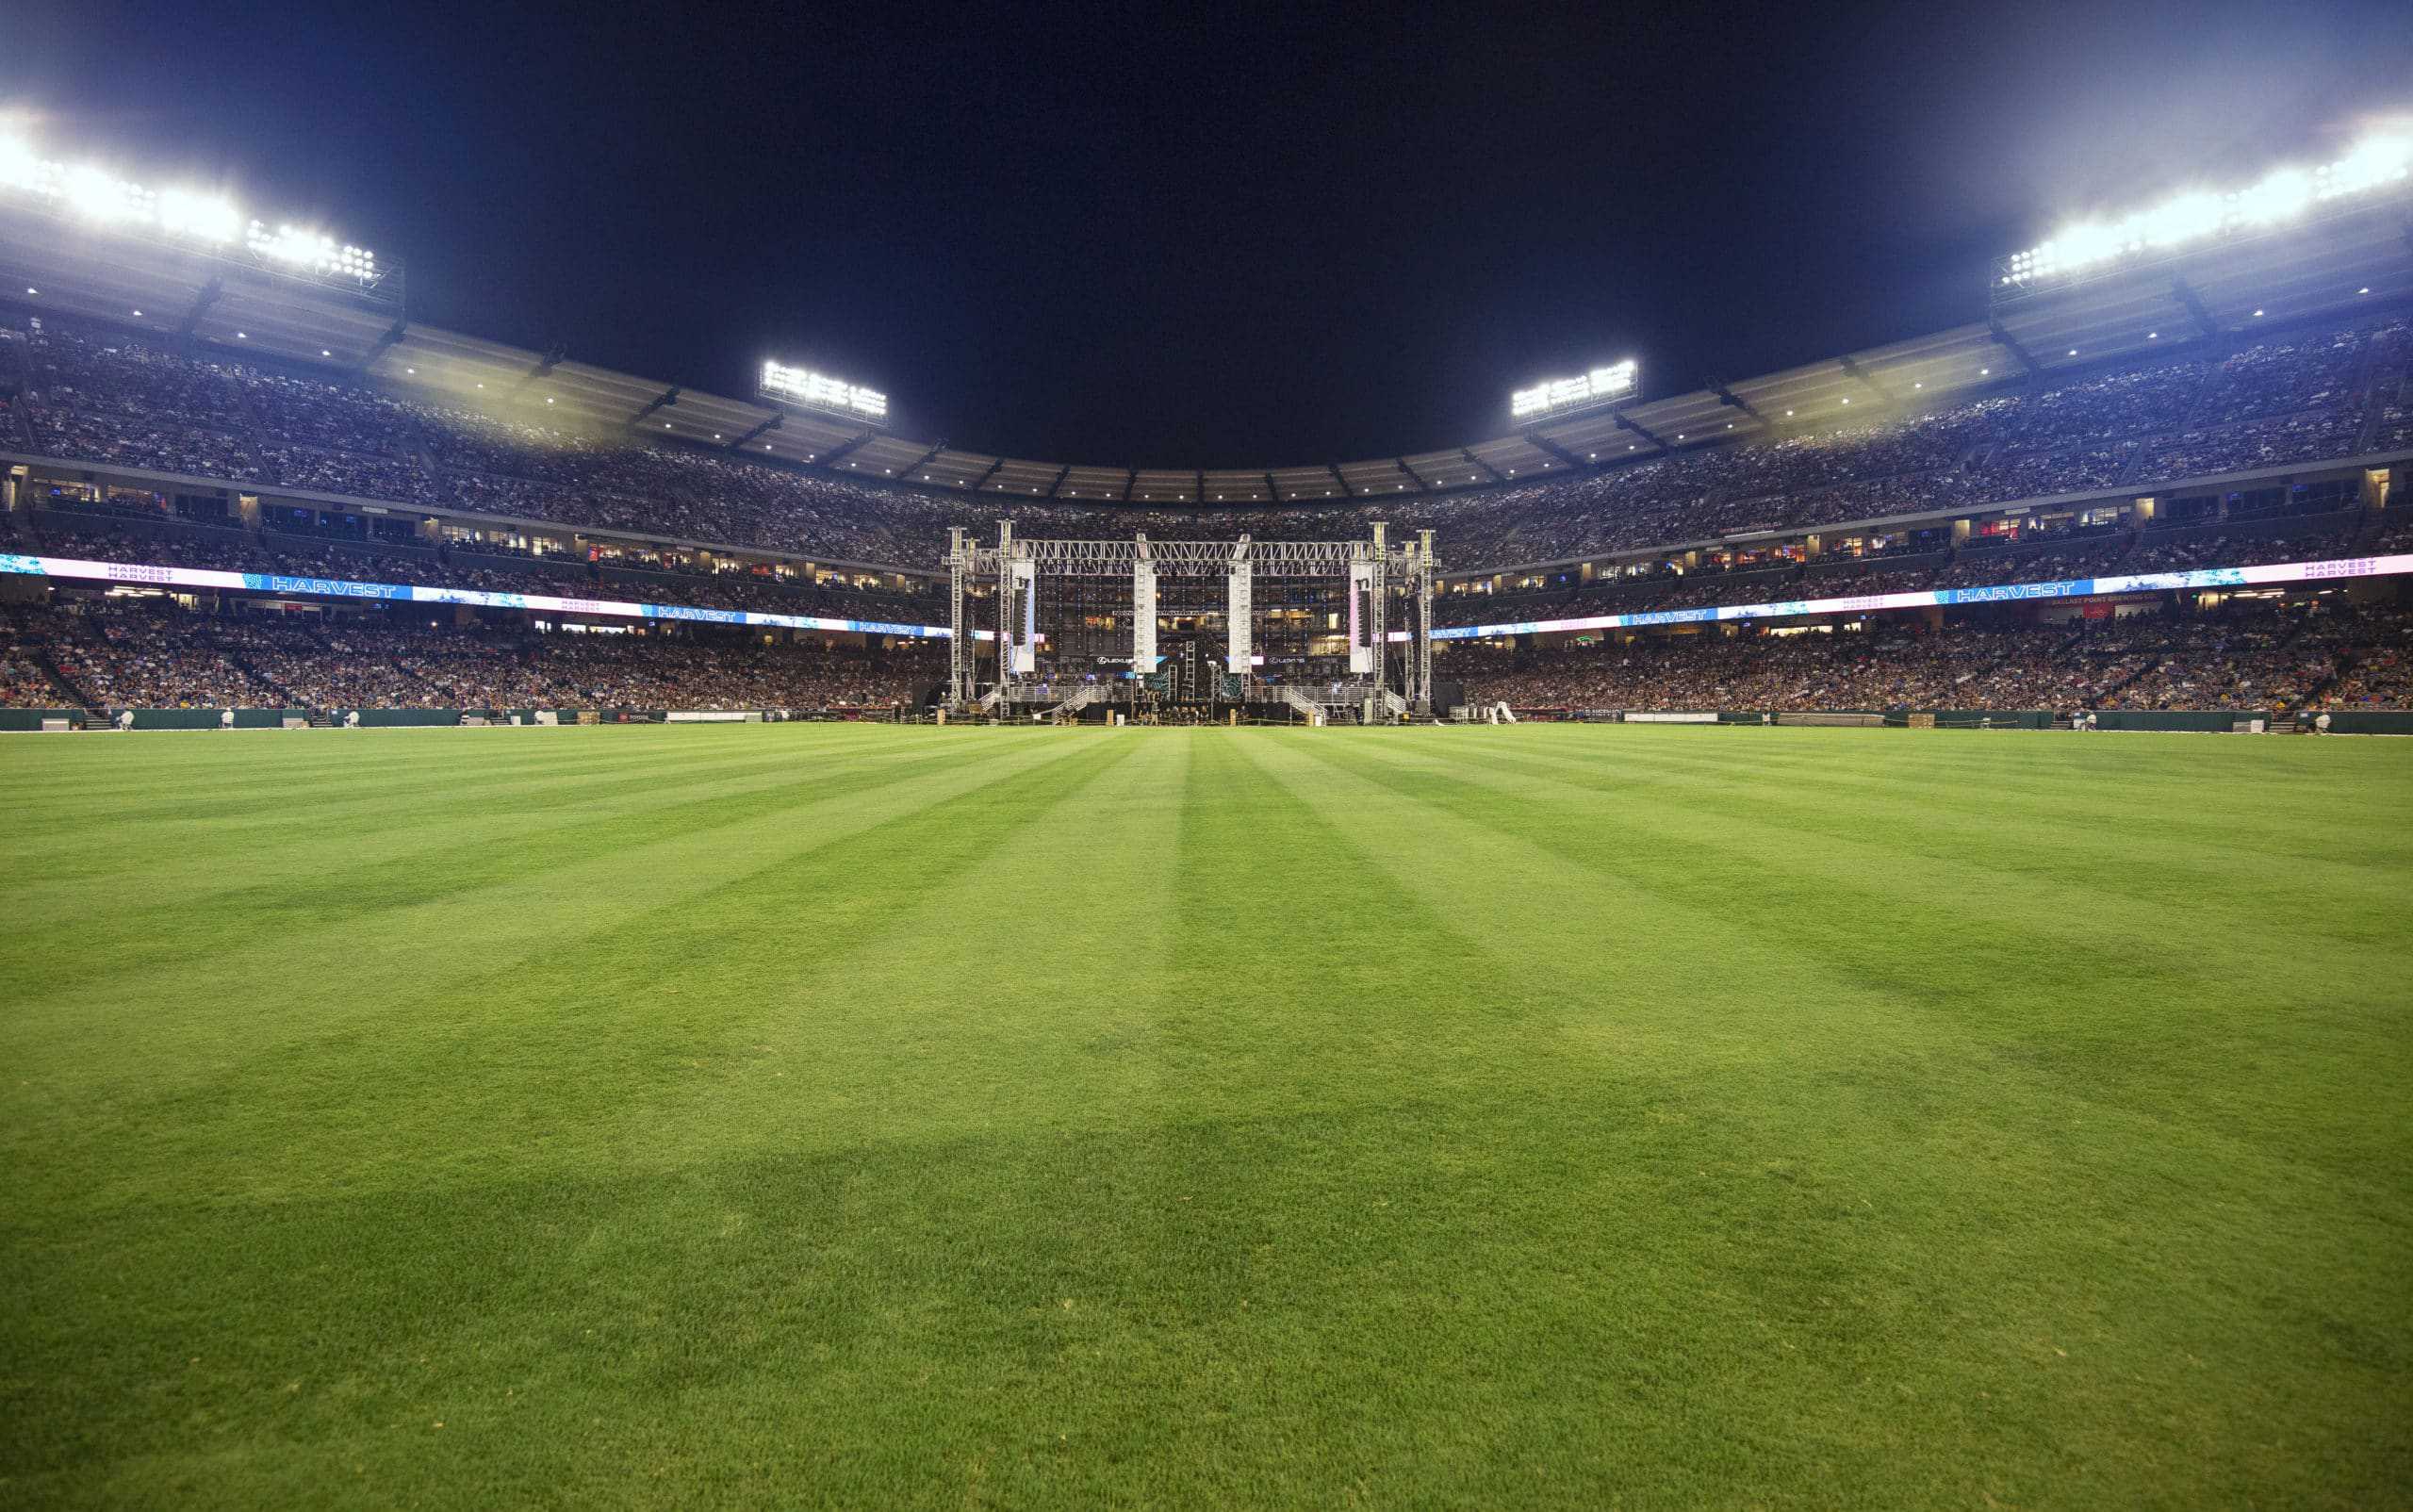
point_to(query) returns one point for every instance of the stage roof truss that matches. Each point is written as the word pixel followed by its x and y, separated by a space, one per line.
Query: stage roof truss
pixel 1054 557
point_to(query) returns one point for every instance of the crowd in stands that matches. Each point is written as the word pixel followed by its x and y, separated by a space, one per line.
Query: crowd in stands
pixel 2246 655
pixel 117 653
pixel 2305 395
pixel 117 532
pixel 2326 392
pixel 2375 673
pixel 2393 417
pixel 128 661
pixel 463 670
pixel 2071 554
pixel 24 684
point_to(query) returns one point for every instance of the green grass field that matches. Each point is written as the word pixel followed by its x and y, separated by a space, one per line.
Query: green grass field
pixel 1563 1116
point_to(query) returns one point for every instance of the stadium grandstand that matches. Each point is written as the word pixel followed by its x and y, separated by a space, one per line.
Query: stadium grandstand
pixel 1970 520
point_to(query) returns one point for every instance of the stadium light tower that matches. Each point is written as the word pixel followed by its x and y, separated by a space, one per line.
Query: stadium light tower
pixel 2377 167
pixel 1612 383
pixel 191 219
pixel 782 384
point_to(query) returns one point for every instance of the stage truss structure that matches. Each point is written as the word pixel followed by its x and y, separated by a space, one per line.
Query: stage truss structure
pixel 1382 588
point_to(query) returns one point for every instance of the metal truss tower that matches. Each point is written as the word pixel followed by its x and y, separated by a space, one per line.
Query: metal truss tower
pixel 1378 609
pixel 1017 565
pixel 1421 573
pixel 961 684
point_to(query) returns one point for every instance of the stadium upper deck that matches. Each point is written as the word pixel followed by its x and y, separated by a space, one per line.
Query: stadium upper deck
pixel 2274 360
pixel 2325 396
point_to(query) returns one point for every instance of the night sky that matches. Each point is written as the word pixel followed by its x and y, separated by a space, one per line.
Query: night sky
pixel 1229 239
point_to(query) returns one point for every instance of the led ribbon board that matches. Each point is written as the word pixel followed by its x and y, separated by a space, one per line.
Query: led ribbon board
pixel 167 577
pixel 1602 386
pixel 818 391
pixel 2276 573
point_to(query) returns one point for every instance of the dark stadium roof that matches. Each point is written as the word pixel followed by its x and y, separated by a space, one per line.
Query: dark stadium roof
pixel 2225 288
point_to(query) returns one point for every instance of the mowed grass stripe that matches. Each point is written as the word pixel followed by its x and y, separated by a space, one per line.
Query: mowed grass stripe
pixel 220 789
pixel 2317 799
pixel 2160 1015
pixel 2170 1008
pixel 1799 954
pixel 2156 1011
pixel 197 1016
pixel 1512 1179
pixel 1445 1117
pixel 622 1220
pixel 1271 1230
pixel 1869 1089
pixel 298 870
pixel 648 1017
pixel 216 799
pixel 2123 880
pixel 978 972
pixel 1272 948
pixel 440 844
pixel 1385 1196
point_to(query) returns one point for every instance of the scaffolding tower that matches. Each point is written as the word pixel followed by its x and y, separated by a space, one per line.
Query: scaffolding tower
pixel 1017 568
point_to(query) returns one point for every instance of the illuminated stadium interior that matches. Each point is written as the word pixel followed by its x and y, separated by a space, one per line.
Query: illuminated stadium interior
pixel 1226 757
pixel 2196 411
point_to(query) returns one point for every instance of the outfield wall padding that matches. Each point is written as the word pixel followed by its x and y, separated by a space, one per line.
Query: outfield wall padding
pixel 32 718
pixel 453 717
pixel 156 718
pixel 2369 722
pixel 2002 719
pixel 2365 722
pixel 2220 721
